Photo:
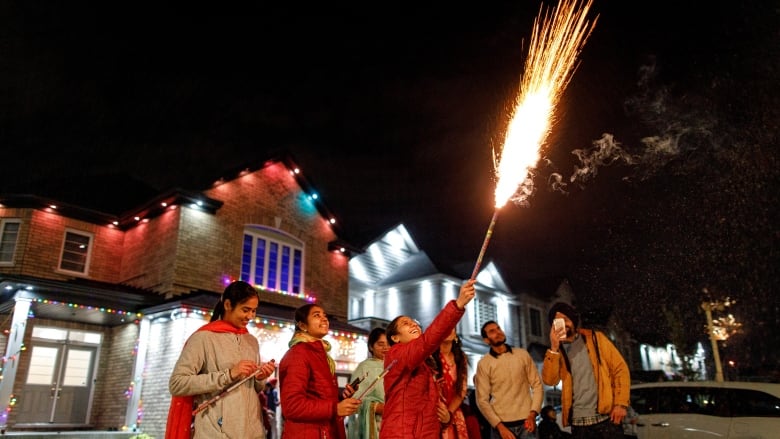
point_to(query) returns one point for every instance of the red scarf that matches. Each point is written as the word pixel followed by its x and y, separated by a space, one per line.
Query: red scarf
pixel 179 424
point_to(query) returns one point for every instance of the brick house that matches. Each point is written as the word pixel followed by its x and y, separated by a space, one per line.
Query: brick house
pixel 95 305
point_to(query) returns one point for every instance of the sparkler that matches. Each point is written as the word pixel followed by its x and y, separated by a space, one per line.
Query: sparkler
pixel 376 380
pixel 222 394
pixel 556 40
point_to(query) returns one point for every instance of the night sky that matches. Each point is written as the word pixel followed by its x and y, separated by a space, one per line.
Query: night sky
pixel 393 112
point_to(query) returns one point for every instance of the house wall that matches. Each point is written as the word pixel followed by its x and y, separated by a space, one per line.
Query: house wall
pixel 115 378
pixel 209 246
pixel 40 243
pixel 421 300
pixel 149 252
pixel 166 339
pixel 531 301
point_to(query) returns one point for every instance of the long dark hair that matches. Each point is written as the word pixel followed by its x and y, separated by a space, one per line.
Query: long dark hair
pixel 461 361
pixel 237 293
pixel 392 329
pixel 302 315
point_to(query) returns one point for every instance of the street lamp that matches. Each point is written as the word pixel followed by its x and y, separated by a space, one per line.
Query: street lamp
pixel 734 365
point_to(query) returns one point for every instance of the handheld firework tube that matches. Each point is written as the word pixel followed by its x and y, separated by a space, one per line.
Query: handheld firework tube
pixel 376 380
pixel 484 245
pixel 222 394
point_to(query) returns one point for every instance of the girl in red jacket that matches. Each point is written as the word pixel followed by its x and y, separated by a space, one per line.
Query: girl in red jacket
pixel 307 382
pixel 413 409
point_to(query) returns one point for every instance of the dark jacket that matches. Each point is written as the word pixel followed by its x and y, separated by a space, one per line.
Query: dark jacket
pixel 548 429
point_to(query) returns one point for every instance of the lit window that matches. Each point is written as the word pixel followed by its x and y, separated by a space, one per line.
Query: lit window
pixel 272 259
pixel 535 317
pixel 484 312
pixel 9 236
pixel 75 252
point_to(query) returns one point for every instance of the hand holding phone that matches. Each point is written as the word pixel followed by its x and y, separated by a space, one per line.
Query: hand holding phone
pixel 560 327
pixel 356 383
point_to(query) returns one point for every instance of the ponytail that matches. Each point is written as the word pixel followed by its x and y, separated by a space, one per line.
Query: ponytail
pixel 237 292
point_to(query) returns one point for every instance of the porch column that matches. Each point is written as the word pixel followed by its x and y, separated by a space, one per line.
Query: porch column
pixel 132 415
pixel 11 359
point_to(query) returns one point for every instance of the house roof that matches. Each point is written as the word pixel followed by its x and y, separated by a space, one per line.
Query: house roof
pixel 122 200
pixel 416 266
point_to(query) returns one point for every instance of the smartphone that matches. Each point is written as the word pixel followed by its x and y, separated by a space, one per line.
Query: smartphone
pixel 559 325
pixel 356 383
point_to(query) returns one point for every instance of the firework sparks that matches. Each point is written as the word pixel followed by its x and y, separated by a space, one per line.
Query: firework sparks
pixel 556 40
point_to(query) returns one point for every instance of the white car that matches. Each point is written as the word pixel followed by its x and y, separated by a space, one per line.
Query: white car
pixel 706 409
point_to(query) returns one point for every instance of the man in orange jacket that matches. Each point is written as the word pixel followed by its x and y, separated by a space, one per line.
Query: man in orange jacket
pixel 596 380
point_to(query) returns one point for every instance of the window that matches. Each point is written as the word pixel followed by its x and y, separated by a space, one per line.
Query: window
pixel 709 401
pixel 9 235
pixel 76 251
pixel 753 403
pixel 535 317
pixel 484 312
pixel 645 401
pixel 272 259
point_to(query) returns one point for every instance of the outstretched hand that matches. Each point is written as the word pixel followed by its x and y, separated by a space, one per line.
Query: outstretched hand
pixel 467 292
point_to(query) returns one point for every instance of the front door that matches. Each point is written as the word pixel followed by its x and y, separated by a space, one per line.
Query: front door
pixel 59 384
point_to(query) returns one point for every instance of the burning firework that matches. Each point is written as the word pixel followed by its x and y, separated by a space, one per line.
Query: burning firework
pixel 556 40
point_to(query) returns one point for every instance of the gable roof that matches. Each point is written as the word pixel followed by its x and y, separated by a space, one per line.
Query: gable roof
pixel 394 257
pixel 121 200
pixel 385 255
pixel 416 266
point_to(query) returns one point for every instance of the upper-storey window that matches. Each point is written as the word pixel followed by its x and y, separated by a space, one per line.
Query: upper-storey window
pixel 272 259
pixel 76 251
pixel 535 317
pixel 9 236
pixel 484 312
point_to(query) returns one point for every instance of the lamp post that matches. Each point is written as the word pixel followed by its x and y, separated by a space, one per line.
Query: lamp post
pixel 707 307
pixel 719 330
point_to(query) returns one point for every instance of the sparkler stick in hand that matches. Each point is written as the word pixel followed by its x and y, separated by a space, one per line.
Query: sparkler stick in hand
pixel 222 394
pixel 556 40
pixel 484 245
pixel 376 380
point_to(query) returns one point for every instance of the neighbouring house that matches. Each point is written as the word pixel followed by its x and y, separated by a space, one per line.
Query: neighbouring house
pixel 96 302
pixel 393 276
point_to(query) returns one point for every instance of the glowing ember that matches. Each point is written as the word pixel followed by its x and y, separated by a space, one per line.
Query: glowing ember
pixel 556 41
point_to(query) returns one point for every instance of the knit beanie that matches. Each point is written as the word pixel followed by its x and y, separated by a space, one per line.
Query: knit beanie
pixel 565 309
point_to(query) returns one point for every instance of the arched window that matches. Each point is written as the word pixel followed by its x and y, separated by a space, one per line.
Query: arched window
pixel 272 259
